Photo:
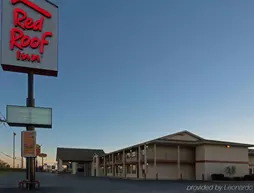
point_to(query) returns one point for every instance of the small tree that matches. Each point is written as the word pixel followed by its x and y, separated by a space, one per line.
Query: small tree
pixel 230 170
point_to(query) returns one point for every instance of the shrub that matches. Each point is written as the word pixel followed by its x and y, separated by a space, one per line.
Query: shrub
pixel 237 178
pixel 247 178
pixel 12 169
pixel 221 177
pixel 226 179
pixel 217 176
pixel 230 170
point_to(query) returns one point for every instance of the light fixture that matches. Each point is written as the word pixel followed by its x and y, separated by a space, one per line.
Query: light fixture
pixel 228 146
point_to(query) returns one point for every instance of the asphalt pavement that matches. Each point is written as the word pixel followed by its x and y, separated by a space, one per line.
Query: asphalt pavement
pixel 67 183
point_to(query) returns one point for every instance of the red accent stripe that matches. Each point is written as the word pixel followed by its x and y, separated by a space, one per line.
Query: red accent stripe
pixel 186 162
pixel 33 6
pixel 220 161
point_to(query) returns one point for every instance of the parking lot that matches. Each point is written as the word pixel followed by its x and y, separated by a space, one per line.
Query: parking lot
pixel 53 183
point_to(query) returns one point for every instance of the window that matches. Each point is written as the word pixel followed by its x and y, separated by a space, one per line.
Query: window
pixel 128 155
pixel 133 154
pixel 109 170
pixel 250 171
pixel 118 157
pixel 134 169
pixel 128 169
pixel 120 169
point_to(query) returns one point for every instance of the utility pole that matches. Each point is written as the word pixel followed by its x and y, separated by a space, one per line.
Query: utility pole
pixel 42 164
pixel 13 157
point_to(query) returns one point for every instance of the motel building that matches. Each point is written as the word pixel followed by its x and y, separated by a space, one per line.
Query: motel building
pixel 76 161
pixel 182 155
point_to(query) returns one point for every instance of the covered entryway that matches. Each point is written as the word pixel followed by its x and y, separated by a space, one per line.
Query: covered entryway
pixel 79 161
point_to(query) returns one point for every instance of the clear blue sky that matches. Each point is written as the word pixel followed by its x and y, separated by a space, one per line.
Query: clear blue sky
pixel 133 70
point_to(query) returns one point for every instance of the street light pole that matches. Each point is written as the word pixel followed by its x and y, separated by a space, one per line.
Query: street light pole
pixel 13 157
pixel 42 162
pixel 22 162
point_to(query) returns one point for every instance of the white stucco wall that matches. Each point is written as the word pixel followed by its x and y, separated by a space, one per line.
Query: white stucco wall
pixel 215 158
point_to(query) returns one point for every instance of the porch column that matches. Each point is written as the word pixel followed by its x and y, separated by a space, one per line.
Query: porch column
pixel 74 167
pixel 60 165
pixel 178 162
pixel 104 165
pixel 93 167
pixel 124 165
pixel 97 165
pixel 155 162
pixel 85 172
pixel 145 159
pixel 113 165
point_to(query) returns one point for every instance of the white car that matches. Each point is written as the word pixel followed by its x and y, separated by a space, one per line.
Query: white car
pixel 53 169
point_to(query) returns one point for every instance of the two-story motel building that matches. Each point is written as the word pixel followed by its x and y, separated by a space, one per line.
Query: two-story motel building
pixel 182 155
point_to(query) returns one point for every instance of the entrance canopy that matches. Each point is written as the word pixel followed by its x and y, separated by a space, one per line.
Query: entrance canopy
pixel 77 155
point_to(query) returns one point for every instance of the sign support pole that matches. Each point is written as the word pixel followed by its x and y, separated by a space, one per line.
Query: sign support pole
pixel 30 170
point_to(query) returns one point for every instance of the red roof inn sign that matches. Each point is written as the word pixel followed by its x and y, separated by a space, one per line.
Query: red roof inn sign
pixel 29 37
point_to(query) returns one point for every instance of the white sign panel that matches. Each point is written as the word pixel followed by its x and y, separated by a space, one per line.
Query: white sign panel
pixel 28 144
pixel 29 36
pixel 20 116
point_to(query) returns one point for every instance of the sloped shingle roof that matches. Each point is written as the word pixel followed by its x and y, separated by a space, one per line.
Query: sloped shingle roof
pixel 75 154
pixel 200 141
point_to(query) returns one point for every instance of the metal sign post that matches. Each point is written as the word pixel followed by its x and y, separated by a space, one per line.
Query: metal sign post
pixel 30 103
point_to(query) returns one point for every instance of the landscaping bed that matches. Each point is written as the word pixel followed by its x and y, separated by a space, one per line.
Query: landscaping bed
pixel 11 170
pixel 221 177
